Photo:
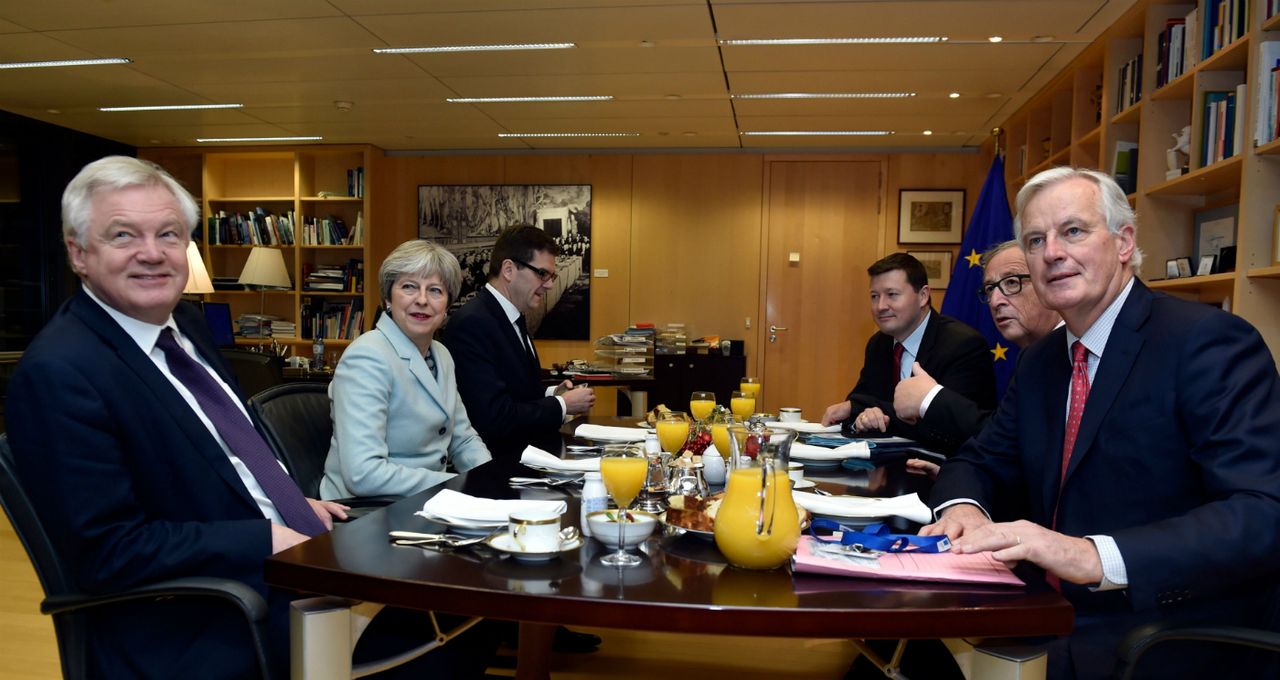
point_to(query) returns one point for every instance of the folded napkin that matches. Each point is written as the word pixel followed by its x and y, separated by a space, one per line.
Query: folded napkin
pixel 807 428
pixel 459 508
pixel 801 451
pixel 908 506
pixel 537 458
pixel 609 433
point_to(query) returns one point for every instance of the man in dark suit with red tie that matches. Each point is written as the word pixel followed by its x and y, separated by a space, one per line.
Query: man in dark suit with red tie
pixel 1143 434
pixel 953 353
pixel 499 375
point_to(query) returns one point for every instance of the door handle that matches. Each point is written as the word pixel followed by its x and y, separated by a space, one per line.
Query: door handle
pixel 775 329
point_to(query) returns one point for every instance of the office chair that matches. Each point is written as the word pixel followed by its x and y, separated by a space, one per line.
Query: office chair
pixel 296 423
pixel 69 608
pixel 255 371
pixel 1142 639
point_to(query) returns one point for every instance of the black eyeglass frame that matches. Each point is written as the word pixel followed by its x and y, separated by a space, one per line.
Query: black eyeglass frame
pixel 542 274
pixel 1013 281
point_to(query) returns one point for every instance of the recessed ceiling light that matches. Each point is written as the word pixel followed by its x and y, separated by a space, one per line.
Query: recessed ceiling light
pixel 817 133
pixel 995 39
pixel 926 133
pixel 501 100
pixel 1041 38
pixel 53 111
pixel 954 95
pixel 838 41
pixel 993 95
pixel 689 133
pixel 473 48
pixel 65 62
pixel 176 107
pixel 826 95
pixel 259 139
pixel 568 134
pixel 648 43
pixel 672 97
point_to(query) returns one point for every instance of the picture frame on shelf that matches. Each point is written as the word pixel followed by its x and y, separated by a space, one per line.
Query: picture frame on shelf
pixel 1206 265
pixel 1184 267
pixel 930 216
pixel 937 263
pixel 1215 229
pixel 1171 269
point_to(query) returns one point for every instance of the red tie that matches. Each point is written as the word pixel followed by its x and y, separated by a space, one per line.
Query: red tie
pixel 897 362
pixel 1079 395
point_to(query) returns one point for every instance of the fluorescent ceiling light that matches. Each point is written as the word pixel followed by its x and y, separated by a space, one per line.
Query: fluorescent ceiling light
pixel 176 107
pixel 839 41
pixel 500 100
pixel 260 139
pixel 568 134
pixel 826 95
pixel 66 62
pixel 473 48
pixel 818 133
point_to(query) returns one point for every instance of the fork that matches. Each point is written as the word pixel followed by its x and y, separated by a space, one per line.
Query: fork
pixel 532 481
pixel 446 540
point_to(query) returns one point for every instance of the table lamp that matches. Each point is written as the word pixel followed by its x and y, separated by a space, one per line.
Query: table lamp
pixel 197 276
pixel 264 269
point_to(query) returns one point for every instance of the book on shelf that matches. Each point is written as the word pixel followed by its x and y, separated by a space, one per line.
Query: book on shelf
pixel 332 319
pixel 254 228
pixel 332 231
pixel 1265 128
pixel 256 325
pixel 355 182
pixel 348 278
pixel 1129 87
pixel 1191 39
pixel 1125 167
pixel 1224 22
pixel 1223 130
pixel 1169 62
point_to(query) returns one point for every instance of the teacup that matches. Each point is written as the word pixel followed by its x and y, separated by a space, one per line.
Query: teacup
pixel 535 531
pixel 789 414
pixel 795 471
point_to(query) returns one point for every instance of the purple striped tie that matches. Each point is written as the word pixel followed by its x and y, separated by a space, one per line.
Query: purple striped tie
pixel 241 437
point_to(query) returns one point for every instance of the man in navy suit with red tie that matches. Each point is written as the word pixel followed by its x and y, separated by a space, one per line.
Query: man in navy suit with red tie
pixel 1143 434
pixel 953 353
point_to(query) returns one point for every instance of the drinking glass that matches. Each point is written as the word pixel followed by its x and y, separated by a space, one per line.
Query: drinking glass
pixel 720 433
pixel 752 387
pixel 743 404
pixel 623 468
pixel 673 431
pixel 701 403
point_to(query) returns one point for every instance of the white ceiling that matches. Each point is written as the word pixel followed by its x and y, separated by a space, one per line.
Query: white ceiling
pixel 288 61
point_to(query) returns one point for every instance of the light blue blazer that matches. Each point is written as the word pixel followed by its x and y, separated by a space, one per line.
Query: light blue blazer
pixel 395 426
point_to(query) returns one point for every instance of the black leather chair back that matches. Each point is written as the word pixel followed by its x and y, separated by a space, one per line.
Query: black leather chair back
pixel 295 419
pixel 71 629
pixel 255 371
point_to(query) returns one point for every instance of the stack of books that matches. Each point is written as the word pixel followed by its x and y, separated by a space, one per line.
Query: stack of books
pixel 283 329
pixel 256 325
pixel 335 278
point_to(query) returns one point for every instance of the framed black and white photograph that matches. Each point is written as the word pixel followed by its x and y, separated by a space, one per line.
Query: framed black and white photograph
pixel 1206 265
pixel 930 215
pixel 938 265
pixel 467 219
pixel 1184 267
pixel 1171 269
pixel 1215 229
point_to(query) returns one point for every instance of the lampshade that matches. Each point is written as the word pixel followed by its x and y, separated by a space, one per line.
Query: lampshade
pixel 197 276
pixel 265 268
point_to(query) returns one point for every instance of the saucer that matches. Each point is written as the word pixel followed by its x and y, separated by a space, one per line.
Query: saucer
pixel 503 543
pixel 803 484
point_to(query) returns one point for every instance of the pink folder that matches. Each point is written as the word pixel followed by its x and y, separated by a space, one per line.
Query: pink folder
pixel 909 566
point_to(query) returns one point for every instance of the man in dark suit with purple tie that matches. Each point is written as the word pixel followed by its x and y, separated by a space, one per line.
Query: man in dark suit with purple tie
pixel 1143 434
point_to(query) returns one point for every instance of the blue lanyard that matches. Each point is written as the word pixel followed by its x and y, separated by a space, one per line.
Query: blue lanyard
pixel 878 537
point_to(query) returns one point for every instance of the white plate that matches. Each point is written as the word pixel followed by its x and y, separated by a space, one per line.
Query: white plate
pixel 467 527
pixel 644 424
pixel 503 543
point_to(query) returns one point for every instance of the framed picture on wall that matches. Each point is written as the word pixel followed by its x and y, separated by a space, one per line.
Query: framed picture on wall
pixel 930 215
pixel 938 264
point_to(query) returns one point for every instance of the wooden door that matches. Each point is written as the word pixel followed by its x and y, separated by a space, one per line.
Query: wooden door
pixel 828 215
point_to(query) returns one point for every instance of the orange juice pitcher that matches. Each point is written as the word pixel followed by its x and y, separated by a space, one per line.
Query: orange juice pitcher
pixel 758 526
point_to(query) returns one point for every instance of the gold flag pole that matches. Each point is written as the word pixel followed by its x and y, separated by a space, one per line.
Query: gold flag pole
pixel 996 132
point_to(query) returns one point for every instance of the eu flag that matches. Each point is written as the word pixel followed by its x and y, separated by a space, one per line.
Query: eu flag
pixel 991 224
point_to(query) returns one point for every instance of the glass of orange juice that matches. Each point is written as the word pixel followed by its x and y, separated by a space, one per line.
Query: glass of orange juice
pixel 752 386
pixel 743 404
pixel 701 403
pixel 720 433
pixel 623 468
pixel 673 431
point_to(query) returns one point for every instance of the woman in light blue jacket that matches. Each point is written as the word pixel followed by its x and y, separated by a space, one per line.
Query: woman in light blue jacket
pixel 398 422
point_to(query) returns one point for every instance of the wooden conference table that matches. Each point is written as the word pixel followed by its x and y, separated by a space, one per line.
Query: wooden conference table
pixel 683 585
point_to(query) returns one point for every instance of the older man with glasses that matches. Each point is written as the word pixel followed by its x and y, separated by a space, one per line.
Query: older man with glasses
pixel 947 415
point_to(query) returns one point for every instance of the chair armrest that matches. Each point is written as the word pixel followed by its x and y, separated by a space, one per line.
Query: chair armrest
pixel 1140 640
pixel 247 599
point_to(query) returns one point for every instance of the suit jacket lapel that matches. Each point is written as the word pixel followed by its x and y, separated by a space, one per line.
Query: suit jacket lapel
pixel 163 396
pixel 1122 349
pixel 407 351
pixel 1055 385
pixel 518 353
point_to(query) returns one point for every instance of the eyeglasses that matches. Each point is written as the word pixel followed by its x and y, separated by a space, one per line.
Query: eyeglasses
pixel 539 272
pixel 1010 285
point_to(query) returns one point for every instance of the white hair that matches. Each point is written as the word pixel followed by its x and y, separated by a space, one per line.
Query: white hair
pixel 1112 202
pixel 114 173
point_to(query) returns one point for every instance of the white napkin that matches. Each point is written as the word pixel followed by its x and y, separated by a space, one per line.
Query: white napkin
pixel 459 508
pixel 537 458
pixel 859 507
pixel 807 428
pixel 609 433
pixel 801 451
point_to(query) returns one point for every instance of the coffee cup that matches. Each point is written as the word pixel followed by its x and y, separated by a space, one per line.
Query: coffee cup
pixel 535 531
pixel 789 414
pixel 795 471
